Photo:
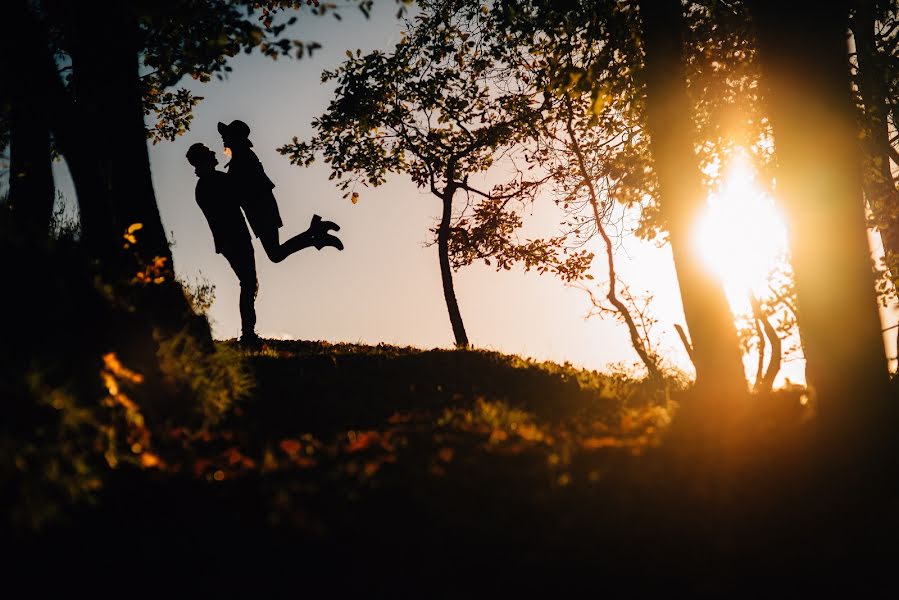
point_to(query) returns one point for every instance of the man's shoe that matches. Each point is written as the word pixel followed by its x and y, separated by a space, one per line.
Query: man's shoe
pixel 250 340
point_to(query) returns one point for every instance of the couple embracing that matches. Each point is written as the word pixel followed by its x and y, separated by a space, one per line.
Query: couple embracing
pixel 221 196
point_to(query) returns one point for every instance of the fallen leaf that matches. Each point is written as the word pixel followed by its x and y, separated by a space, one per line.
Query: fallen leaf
pixel 290 446
pixel 149 460
pixel 445 454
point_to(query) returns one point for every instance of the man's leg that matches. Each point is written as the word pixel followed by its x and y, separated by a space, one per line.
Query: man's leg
pixel 243 262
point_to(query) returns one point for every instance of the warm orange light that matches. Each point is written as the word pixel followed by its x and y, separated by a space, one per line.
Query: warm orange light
pixel 227 151
pixel 741 235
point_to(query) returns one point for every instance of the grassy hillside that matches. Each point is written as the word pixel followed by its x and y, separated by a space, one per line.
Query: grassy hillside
pixel 399 472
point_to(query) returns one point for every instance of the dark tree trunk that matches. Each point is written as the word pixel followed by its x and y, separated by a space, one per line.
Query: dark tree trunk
pixel 72 135
pixel 99 129
pixel 446 271
pixel 104 47
pixel 804 58
pixel 109 94
pixel 31 189
pixel 716 353
pixel 879 184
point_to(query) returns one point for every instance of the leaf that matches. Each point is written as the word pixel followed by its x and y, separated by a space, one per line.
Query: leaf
pixel 596 443
pixel 355 197
pixel 290 446
pixel 445 454
pixel 149 460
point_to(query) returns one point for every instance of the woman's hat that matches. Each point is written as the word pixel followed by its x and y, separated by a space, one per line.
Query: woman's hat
pixel 235 130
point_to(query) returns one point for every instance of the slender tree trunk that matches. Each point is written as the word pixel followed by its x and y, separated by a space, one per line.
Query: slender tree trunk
pixel 446 271
pixel 805 68
pixel 764 383
pixel 879 184
pixel 760 365
pixel 716 353
pixel 649 361
pixel 776 355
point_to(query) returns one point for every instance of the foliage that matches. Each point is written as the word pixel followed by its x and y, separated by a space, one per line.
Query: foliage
pixel 214 381
pixel 487 234
pixel 200 293
pixel 361 457
pixel 198 38
pixel 876 80
pixel 83 400
pixel 440 109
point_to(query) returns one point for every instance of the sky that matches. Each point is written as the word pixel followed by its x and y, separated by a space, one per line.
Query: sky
pixel 385 286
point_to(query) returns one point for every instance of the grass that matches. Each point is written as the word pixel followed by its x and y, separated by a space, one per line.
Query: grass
pixel 397 472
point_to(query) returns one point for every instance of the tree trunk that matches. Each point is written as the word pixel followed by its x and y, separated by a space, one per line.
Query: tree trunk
pixel 31 189
pixel 716 353
pixel 648 358
pixel 72 135
pixel 879 184
pixel 446 271
pixel 99 129
pixel 764 383
pixel 104 41
pixel 760 365
pixel 108 95
pixel 805 69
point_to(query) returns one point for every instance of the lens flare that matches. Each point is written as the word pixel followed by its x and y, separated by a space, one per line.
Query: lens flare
pixel 741 235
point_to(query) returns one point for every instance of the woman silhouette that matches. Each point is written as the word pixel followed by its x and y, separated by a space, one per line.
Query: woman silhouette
pixel 253 189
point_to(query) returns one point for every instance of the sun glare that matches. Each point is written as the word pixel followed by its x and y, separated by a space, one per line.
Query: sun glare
pixel 741 235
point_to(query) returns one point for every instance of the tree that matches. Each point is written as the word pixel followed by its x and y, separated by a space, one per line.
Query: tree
pixel 589 148
pixel 31 189
pixel 872 26
pixel 681 195
pixel 87 76
pixel 435 109
pixel 805 68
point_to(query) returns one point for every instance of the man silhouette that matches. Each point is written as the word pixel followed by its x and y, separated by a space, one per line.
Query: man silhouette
pixel 229 232
pixel 254 192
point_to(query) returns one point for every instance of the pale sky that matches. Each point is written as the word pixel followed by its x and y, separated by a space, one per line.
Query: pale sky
pixel 385 286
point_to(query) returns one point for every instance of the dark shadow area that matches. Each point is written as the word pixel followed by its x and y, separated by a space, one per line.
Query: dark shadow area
pixel 773 508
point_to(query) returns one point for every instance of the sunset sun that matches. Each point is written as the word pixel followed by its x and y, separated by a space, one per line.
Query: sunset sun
pixel 741 235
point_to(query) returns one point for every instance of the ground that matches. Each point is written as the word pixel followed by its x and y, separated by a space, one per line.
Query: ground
pixel 398 472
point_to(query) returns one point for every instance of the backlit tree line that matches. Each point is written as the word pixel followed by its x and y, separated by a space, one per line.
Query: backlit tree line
pixel 599 106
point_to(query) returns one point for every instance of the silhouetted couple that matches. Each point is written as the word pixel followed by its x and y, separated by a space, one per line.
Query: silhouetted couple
pixel 221 197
